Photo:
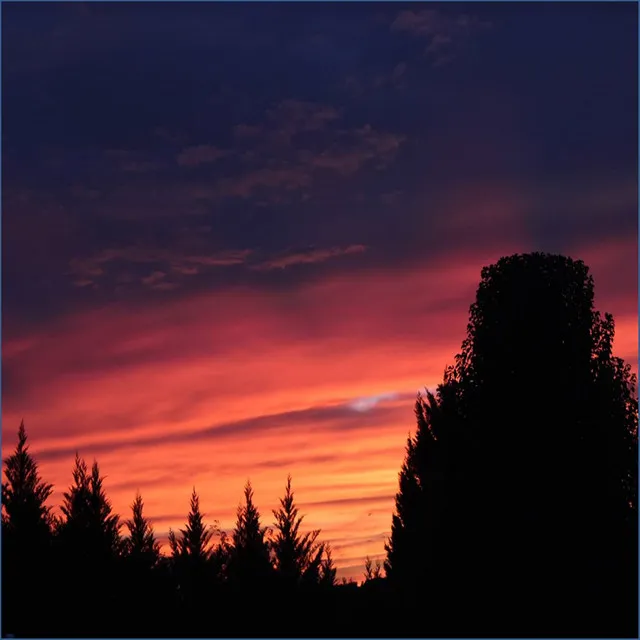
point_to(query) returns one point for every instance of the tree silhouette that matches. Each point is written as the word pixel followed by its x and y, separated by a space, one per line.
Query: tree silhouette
pixel 141 590
pixel 192 559
pixel 26 537
pixel 90 549
pixel 297 556
pixel 249 564
pixel 26 517
pixel 407 540
pixel 372 571
pixel 141 546
pixel 327 568
pixel 524 459
pixel 177 549
pixel 195 541
pixel 91 528
pixel 423 497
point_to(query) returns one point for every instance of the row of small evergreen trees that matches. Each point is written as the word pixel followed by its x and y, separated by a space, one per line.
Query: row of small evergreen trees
pixel 89 542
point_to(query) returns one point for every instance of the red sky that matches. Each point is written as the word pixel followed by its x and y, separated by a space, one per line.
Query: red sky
pixel 237 243
pixel 211 390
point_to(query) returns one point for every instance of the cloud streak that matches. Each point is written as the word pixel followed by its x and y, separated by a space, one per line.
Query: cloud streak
pixel 200 154
pixel 311 256
pixel 443 30
pixel 173 264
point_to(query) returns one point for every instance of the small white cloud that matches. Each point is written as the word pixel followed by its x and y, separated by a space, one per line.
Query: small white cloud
pixel 368 403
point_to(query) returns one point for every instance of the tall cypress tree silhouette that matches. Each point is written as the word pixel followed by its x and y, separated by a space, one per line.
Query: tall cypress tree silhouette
pixel 423 496
pixel 520 494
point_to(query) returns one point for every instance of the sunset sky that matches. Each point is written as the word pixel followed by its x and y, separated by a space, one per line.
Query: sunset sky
pixel 237 239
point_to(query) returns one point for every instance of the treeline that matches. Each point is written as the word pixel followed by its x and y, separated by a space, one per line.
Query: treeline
pixel 90 573
pixel 516 512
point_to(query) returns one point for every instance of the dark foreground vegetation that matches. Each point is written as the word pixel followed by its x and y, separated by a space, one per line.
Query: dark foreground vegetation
pixel 516 513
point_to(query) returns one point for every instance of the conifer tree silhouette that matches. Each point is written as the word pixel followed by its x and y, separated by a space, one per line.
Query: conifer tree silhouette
pixel 249 564
pixel 196 537
pixel 297 556
pixel 141 545
pixel 91 546
pixel 519 493
pixel 91 528
pixel 141 591
pixel 372 571
pixel 26 517
pixel 26 539
pixel 422 497
pixel 327 568
pixel 192 552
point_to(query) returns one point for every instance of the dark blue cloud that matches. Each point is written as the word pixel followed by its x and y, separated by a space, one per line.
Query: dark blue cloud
pixel 197 128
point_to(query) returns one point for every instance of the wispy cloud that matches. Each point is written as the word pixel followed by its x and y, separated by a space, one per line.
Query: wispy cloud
pixel 444 31
pixel 200 154
pixel 278 161
pixel 288 177
pixel 86 271
pixel 131 161
pixel 369 403
pixel 155 278
pixel 246 131
pixel 391 77
pixel 175 264
pixel 357 148
pixel 308 257
pixel 295 116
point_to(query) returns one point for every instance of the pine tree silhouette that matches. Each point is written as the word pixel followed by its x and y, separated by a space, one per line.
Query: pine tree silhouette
pixel 91 547
pixel 196 540
pixel 90 525
pixel 372 571
pixel 26 516
pixel 192 562
pixel 297 557
pixel 141 546
pixel 249 565
pixel 141 591
pixel 26 540
pixel 327 568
